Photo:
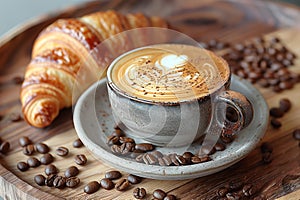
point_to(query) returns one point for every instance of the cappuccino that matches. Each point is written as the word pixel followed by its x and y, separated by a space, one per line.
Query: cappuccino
pixel 169 73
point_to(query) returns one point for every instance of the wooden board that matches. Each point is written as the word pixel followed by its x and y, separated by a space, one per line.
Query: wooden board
pixel 203 20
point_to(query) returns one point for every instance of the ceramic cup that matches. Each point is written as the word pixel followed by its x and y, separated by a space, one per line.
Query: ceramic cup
pixel 171 94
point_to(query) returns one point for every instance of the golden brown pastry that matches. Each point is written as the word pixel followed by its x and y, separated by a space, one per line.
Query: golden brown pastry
pixel 61 50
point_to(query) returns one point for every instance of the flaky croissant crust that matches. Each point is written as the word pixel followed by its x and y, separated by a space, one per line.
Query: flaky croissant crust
pixel 60 51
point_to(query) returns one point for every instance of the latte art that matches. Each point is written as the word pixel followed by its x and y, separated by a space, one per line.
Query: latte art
pixel 169 73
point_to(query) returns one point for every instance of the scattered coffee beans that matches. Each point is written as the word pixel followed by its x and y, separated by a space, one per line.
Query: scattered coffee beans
pixel 236 184
pixel 112 175
pixel 28 149
pixel 51 169
pixel 46 159
pixel 107 184
pixel 267 157
pixel 39 179
pixel 122 184
pixel 4 147
pixel 139 193
pixel 91 187
pixel 33 162
pixel 24 141
pixel 159 194
pixel 59 182
pixel 77 143
pixel 72 182
pixel 80 159
pixel 42 148
pixel 62 151
pixel 134 179
pixel 22 166
pixel 71 171
pixel 296 134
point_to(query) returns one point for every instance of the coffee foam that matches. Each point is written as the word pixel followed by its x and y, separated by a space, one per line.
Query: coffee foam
pixel 169 73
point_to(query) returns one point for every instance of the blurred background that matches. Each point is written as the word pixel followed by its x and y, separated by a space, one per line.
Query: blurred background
pixel 16 12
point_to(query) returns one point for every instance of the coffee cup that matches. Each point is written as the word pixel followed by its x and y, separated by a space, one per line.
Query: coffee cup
pixel 172 94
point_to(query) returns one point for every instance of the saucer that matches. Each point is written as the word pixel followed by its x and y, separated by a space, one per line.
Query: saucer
pixel 93 122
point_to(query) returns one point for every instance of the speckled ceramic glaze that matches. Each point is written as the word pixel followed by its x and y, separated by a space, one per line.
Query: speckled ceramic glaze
pixel 94 122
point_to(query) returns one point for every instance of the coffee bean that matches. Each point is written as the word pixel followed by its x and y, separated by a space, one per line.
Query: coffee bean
pixel 170 197
pixel 135 153
pixel 159 194
pixel 4 147
pixel 276 112
pixel 15 117
pixel 249 190
pixel 71 171
pixel 46 159
pixel 139 158
pixel 107 184
pixel 275 123
pixel 39 179
pixel 80 159
pixel 117 132
pixel 126 148
pixel 72 182
pixel 222 191
pixel 111 140
pixel 205 158
pixel 62 151
pixel 24 141
pixel 196 159
pixel 115 149
pixel 285 105
pixel 42 148
pixel 133 179
pixel 157 154
pixel 59 182
pixel 49 180
pixel 112 175
pixel 91 187
pixel 178 159
pixel 122 184
pixel 33 162
pixel 77 143
pixel 126 140
pixel 22 166
pixel 266 148
pixel 267 157
pixel 296 134
pixel 139 193
pixel 18 80
pixel 149 159
pixel 144 147
pixel 51 169
pixel 219 146
pixel 28 150
pixel 164 161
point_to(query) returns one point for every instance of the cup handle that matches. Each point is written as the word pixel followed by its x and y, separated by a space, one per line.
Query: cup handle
pixel 240 108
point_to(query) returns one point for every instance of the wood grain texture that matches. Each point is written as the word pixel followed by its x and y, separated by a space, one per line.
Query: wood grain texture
pixel 229 21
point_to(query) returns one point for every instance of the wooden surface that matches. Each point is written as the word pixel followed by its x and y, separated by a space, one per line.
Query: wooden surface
pixel 202 20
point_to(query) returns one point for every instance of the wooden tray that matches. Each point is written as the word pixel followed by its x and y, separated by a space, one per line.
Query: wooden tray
pixel 230 21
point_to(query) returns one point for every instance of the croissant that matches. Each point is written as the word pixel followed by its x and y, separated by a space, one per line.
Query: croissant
pixel 63 49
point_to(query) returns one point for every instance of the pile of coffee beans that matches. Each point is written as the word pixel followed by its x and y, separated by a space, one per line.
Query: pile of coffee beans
pixel 4 146
pixel 158 194
pixel 51 177
pixel 146 153
pixel 264 61
pixel 278 112
pixel 238 189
